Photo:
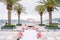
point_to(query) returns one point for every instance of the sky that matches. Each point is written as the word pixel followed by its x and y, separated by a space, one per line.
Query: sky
pixel 30 9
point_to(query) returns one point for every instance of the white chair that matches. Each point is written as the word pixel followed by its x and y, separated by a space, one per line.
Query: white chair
pixel 58 38
pixel 40 39
pixel 9 37
pixel 50 38
pixel 2 37
pixel 58 25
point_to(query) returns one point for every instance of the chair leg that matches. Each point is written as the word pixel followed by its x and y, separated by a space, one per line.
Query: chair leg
pixel 17 38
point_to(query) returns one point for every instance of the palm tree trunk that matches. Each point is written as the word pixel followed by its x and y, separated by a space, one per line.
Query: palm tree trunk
pixel 18 18
pixel 41 19
pixel 9 17
pixel 50 17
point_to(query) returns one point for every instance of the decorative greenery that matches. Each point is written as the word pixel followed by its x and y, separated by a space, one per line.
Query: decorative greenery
pixel 19 24
pixel 8 27
pixel 52 26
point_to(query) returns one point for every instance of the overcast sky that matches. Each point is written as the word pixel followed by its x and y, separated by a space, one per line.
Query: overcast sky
pixel 30 9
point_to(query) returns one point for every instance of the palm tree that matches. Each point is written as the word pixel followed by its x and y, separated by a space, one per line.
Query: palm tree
pixel 9 4
pixel 19 8
pixel 50 5
pixel 40 9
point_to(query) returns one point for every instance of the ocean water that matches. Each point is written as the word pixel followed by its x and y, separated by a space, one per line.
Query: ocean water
pixel 16 21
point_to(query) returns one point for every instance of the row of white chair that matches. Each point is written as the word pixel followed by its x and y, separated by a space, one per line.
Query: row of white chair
pixel 50 38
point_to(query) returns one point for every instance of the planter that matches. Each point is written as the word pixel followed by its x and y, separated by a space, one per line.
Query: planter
pixel 30 26
pixel 19 24
pixel 52 26
pixel 41 24
pixel 8 27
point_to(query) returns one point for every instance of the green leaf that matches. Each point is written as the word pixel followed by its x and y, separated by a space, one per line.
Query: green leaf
pixel 57 1
pixel 58 5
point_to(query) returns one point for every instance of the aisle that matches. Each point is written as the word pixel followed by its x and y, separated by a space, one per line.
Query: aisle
pixel 29 35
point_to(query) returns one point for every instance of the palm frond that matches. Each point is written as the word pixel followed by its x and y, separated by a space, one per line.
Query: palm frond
pixel 40 8
pixel 40 2
pixel 57 1
pixel 11 1
pixel 57 5
pixel 14 1
pixel 45 11
pixel 50 4
pixel 44 1
pixel 56 9
pixel 19 7
pixel 24 11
